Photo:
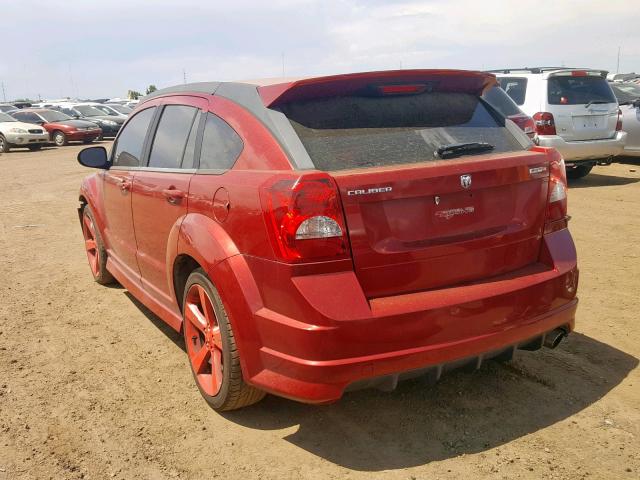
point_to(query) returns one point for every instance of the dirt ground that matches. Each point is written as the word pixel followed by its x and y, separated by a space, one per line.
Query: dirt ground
pixel 93 386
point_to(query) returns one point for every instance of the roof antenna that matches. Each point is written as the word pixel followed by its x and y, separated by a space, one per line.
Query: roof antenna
pixel 618 64
pixel 184 76
pixel 282 64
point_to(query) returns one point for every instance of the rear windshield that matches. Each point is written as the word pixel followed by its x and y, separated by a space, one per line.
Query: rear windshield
pixel 579 90
pixel 626 92
pixel 353 132
pixel 516 88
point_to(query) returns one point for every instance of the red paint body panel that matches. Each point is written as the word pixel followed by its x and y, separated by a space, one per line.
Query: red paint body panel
pixel 414 292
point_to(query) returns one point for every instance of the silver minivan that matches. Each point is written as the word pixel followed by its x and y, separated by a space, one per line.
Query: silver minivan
pixel 574 110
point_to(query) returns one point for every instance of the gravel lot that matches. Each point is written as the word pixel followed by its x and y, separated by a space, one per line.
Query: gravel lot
pixel 93 386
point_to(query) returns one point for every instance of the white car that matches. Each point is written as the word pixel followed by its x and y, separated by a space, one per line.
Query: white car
pixel 628 95
pixel 14 133
pixel 574 110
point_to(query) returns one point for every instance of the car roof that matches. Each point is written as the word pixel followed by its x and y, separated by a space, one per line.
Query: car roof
pixel 543 72
pixel 34 110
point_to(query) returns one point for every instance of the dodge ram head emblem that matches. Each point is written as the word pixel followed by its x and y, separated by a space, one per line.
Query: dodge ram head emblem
pixel 465 181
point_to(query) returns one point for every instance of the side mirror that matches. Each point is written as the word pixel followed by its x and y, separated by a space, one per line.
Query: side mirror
pixel 636 103
pixel 94 157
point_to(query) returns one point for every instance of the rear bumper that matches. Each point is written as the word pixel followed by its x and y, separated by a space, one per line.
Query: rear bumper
pixel 585 149
pixel 339 340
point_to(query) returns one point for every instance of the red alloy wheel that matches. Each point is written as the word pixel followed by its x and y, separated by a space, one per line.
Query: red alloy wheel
pixel 90 244
pixel 203 339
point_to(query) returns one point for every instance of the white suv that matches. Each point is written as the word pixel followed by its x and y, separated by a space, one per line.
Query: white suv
pixel 574 110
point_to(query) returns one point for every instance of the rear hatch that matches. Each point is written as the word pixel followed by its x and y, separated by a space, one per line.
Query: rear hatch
pixel 415 220
pixel 583 104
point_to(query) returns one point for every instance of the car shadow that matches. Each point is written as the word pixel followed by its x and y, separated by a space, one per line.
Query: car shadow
pixel 596 180
pixel 464 413
pixel 174 336
pixel 628 160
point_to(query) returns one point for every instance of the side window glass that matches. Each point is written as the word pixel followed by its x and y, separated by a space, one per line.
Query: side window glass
pixel 221 145
pixel 27 117
pixel 128 148
pixel 188 159
pixel 171 136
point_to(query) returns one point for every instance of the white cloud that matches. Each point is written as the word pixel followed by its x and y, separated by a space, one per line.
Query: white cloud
pixel 101 49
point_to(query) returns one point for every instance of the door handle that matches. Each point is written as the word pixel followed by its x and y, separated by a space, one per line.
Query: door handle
pixel 173 195
pixel 124 185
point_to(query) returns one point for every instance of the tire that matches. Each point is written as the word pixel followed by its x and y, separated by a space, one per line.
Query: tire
pixel 34 148
pixel 87 141
pixel 579 171
pixel 5 147
pixel 59 138
pixel 94 246
pixel 99 138
pixel 210 344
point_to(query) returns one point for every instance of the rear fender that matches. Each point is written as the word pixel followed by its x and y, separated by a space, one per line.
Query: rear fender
pixel 91 192
pixel 204 240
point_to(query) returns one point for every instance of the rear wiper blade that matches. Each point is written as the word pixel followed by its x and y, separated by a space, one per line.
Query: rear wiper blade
pixel 591 102
pixel 456 149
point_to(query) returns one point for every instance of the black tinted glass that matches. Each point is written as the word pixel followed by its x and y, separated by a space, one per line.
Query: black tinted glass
pixel 353 132
pixel 128 149
pixel 27 117
pixel 498 99
pixel 171 136
pixel 516 88
pixel 221 145
pixel 626 92
pixel 579 90
pixel 188 160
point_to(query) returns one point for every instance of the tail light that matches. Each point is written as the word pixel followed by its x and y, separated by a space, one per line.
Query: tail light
pixel 619 121
pixel 557 201
pixel 525 122
pixel 304 219
pixel 544 123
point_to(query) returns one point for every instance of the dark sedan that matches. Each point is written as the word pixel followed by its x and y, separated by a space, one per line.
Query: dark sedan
pixel 110 124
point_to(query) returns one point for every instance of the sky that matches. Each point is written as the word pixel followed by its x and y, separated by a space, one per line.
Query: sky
pixel 101 49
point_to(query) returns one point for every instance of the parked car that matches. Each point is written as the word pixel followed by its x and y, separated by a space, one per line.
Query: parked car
pixel 333 233
pixel 14 133
pixel 62 128
pixel 109 124
pixel 7 107
pixel 114 109
pixel 628 95
pixel 502 102
pixel 574 111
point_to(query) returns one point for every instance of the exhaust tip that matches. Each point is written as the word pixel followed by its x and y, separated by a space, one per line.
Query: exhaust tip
pixel 553 338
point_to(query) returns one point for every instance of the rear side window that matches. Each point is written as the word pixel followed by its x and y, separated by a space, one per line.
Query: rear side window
pixel 498 99
pixel 221 145
pixel 128 148
pixel 579 90
pixel 353 132
pixel 171 136
pixel 516 88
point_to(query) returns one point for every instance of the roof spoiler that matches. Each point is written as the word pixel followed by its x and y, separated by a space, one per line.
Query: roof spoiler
pixel 364 83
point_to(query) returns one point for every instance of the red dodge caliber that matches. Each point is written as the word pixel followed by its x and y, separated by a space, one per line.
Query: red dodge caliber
pixel 321 235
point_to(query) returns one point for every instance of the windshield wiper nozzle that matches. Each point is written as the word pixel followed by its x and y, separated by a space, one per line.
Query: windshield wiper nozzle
pixel 452 150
